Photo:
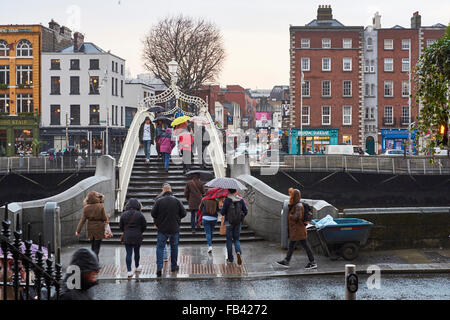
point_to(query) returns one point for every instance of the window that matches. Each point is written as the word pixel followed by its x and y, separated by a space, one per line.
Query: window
pixel 347 43
pixel 388 115
pixel 74 64
pixel 372 113
pixel 347 88
pixel 347 139
pixel 94 115
pixel 93 85
pixel 121 116
pixel 4 74
pixel 405 44
pixel 116 117
pixel 55 85
pixel 113 66
pixel 388 64
pixel 430 42
pixel 405 64
pixel 121 69
pixel 55 64
pixel 305 115
pixel 405 115
pixel 326 88
pixel 94 64
pixel 388 44
pixel 388 88
pixel 112 86
pixel 326 43
pixel 347 115
pixel 405 89
pixel 372 90
pixel 326 64
pixel 75 114
pixel 117 90
pixel 117 67
pixel 372 66
pixel 326 115
pixel 112 114
pixel 367 90
pixel 121 88
pixel 24 49
pixel 4 103
pixel 347 64
pixel 55 115
pixel 305 64
pixel 305 43
pixel 367 113
pixel 369 44
pixel 4 48
pixel 24 103
pixel 24 75
pixel 367 67
pixel 305 89
pixel 74 85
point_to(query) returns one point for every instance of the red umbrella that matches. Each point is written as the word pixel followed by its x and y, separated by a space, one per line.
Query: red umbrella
pixel 215 193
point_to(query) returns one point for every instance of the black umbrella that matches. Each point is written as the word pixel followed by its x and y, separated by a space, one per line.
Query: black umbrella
pixel 156 109
pixel 204 175
pixel 167 120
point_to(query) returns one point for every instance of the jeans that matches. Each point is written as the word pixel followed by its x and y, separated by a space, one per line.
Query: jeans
pixel 95 246
pixel 233 234
pixel 166 159
pixel 193 219
pixel 166 254
pixel 147 144
pixel 161 244
pixel 209 230
pixel 305 246
pixel 129 249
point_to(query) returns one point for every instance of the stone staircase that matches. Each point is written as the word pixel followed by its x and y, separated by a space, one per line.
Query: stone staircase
pixel 146 183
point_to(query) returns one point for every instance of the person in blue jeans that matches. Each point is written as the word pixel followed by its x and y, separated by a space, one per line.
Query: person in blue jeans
pixel 210 209
pixel 146 134
pixel 167 213
pixel 233 230
pixel 133 224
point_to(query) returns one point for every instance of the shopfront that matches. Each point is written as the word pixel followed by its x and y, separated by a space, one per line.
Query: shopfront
pixel 314 140
pixel 17 134
pixel 397 139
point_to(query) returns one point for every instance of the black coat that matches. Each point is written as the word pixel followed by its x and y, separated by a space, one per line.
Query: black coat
pixel 168 212
pixel 133 224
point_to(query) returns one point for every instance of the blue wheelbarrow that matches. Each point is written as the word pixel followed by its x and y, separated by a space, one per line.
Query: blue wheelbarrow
pixel 344 238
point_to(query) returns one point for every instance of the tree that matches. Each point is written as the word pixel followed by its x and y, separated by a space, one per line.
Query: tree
pixel 196 45
pixel 432 76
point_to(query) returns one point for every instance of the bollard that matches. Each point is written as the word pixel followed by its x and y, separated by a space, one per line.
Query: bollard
pixel 52 226
pixel 284 225
pixel 351 282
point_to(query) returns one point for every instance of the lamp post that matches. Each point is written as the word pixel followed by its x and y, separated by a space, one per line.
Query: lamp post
pixel 173 68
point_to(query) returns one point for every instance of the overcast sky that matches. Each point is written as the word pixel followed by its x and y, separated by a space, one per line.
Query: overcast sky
pixel 256 32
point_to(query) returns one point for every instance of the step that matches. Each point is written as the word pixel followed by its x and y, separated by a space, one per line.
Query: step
pixel 185 234
pixel 218 239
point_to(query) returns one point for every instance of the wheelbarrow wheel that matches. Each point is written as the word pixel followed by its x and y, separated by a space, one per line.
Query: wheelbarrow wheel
pixel 350 251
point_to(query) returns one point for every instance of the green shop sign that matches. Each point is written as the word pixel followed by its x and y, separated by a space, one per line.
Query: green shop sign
pixel 14 30
pixel 316 133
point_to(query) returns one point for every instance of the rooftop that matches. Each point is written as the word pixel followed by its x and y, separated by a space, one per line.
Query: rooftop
pixel 87 47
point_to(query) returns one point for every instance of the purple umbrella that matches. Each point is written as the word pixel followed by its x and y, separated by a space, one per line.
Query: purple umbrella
pixel 34 248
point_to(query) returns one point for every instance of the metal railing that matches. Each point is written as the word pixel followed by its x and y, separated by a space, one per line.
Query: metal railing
pixel 22 276
pixel 45 164
pixel 369 164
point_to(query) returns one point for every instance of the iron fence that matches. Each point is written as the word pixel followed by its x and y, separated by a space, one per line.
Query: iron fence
pixel 24 276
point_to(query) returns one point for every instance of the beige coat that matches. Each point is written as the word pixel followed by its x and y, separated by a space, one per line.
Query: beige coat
pixel 94 213
pixel 297 228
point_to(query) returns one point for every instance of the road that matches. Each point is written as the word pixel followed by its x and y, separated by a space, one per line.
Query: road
pixel 392 287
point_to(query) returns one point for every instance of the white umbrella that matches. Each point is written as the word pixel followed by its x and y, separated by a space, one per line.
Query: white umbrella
pixel 226 183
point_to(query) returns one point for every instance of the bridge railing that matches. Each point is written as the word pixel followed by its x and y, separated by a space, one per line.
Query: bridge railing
pixel 45 164
pixel 370 164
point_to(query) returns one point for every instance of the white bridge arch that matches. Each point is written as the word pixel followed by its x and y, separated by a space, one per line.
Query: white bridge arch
pixel 131 145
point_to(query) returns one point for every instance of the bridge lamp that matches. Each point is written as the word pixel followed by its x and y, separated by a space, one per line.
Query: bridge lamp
pixel 173 67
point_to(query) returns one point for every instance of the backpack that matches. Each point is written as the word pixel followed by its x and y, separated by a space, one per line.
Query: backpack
pixel 234 213
pixel 307 212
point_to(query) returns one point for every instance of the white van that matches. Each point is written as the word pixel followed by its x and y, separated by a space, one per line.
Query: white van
pixel 345 149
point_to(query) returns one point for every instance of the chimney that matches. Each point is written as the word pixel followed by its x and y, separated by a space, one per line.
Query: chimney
pixel 54 25
pixel 66 32
pixel 324 12
pixel 376 21
pixel 416 20
pixel 78 40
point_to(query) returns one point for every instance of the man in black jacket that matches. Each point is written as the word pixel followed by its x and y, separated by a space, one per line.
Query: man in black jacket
pixel 167 213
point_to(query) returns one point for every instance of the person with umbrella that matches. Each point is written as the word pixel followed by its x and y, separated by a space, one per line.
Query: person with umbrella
pixel 146 134
pixel 166 144
pixel 193 192
pixel 159 130
pixel 185 140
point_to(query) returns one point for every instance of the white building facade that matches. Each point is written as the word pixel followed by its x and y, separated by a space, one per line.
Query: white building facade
pixel 83 99
pixel 135 91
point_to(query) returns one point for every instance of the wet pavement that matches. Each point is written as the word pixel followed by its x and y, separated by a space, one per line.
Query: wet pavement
pixel 259 261
pixel 331 287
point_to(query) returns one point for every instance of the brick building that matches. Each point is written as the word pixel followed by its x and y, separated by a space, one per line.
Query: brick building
pixel 329 54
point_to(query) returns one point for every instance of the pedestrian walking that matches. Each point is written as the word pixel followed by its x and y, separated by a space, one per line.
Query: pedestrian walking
pixel 297 230
pixel 209 209
pixel 133 224
pixel 234 209
pixel 193 191
pixel 159 130
pixel 87 262
pixel 146 134
pixel 185 141
pixel 94 213
pixel 166 145
pixel 167 213
pixel 167 246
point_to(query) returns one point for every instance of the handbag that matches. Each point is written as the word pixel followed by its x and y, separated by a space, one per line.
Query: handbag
pixel 108 232
pixel 223 227
pixel 131 219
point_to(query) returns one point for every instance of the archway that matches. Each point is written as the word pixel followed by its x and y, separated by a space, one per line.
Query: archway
pixel 370 145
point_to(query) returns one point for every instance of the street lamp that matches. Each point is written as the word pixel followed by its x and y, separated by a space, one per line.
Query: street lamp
pixel 302 81
pixel 173 67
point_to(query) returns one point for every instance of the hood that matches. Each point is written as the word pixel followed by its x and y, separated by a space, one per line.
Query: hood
pixel 86 260
pixel 133 204
pixel 95 197
pixel 168 131
pixel 235 197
